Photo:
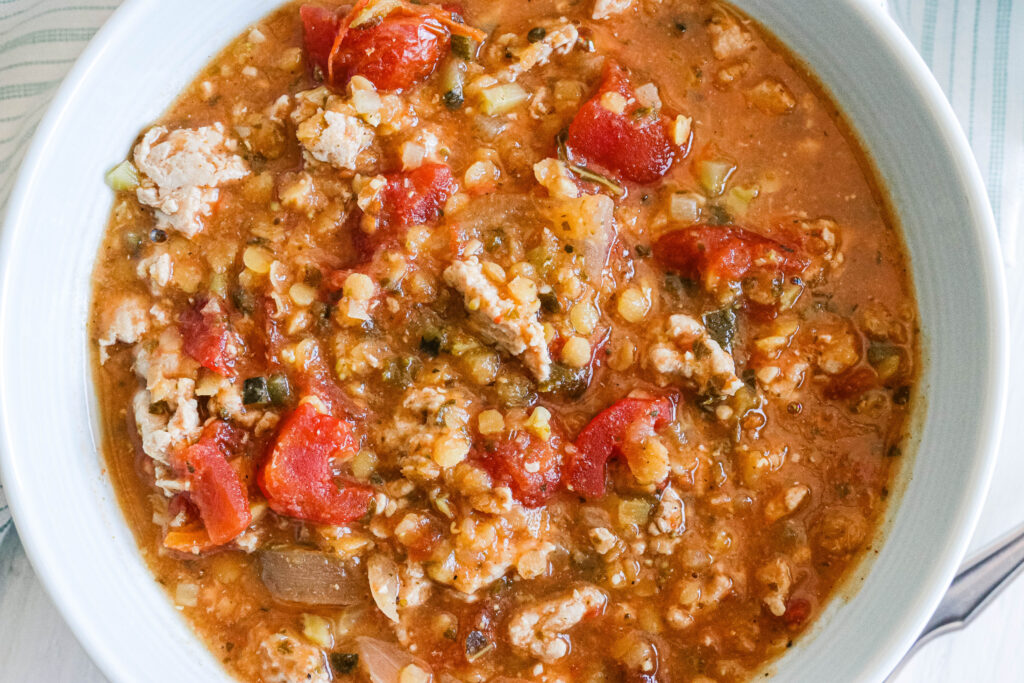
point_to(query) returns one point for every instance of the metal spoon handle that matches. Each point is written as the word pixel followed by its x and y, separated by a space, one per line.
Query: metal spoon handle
pixel 979 581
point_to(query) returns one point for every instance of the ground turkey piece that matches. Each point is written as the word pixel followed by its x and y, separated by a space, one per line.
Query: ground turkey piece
pixel 540 629
pixel 329 130
pixel 181 174
pixel 166 411
pixel 125 323
pixel 695 356
pixel 607 8
pixel 287 659
pixel 728 37
pixel 511 325
pixel 557 40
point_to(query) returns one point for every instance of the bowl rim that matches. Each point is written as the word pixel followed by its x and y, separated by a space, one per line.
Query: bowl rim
pixel 991 280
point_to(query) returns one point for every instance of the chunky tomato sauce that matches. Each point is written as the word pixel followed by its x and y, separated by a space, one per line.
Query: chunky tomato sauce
pixel 502 341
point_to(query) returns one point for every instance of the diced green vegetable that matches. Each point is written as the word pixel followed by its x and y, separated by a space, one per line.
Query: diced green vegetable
pixel 475 650
pixel 441 503
pixel 400 371
pixel 159 408
pixel 678 286
pixel 132 243
pixel 279 389
pixel 453 77
pixel 717 215
pixel 514 391
pixel 255 391
pixel 714 174
pixel 549 302
pixel 344 663
pixel 461 344
pixel 243 300
pixel 501 99
pixel 685 207
pixel 433 340
pixel 464 47
pixel 738 199
pixel 317 630
pixel 481 365
pixel 634 511
pixel 791 291
pixel 219 284
pixel 541 257
pixel 123 177
pixel 721 326
pixel 453 99
pixel 364 463
pixel 885 358
pixel 571 382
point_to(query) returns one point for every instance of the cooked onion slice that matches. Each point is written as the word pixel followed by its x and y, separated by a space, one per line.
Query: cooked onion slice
pixel 384 585
pixel 384 661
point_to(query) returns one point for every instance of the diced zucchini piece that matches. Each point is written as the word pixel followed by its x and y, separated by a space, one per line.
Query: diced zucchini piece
pixel 685 207
pixel 501 99
pixel 317 630
pixel 464 47
pixel 738 199
pixel 634 511
pixel 453 78
pixel 278 389
pixel 219 284
pixel 714 174
pixel 123 177
pixel 721 326
pixel 255 391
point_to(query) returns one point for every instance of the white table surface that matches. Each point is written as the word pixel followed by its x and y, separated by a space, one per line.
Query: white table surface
pixel 37 647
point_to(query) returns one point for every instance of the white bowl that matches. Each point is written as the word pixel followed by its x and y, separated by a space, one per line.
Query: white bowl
pixel 67 514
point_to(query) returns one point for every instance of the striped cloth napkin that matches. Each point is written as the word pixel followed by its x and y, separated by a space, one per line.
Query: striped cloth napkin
pixel 967 43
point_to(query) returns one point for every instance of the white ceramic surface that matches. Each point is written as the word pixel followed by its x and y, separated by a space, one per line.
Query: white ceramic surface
pixel 67 515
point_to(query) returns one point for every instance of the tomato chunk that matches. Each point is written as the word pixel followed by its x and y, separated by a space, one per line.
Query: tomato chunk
pixel 532 468
pixel 208 337
pixel 416 197
pixel 296 477
pixel 215 488
pixel 393 54
pixel 797 612
pixel 319 28
pixel 633 145
pixel 851 384
pixel 713 254
pixel 408 198
pixel 604 435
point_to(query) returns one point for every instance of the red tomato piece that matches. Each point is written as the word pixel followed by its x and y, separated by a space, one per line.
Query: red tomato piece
pixel 208 337
pixel 409 198
pixel 851 384
pixel 603 437
pixel 215 488
pixel 319 28
pixel 296 477
pixel 514 459
pixel 394 54
pixel 634 145
pixel 797 611
pixel 713 253
pixel 416 197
